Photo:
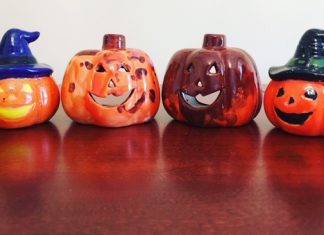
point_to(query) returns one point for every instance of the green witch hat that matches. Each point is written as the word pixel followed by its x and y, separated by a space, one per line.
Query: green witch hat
pixel 308 61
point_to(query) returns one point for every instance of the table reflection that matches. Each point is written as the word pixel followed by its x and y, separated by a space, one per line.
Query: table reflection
pixel 212 159
pixel 28 158
pixel 101 158
pixel 295 172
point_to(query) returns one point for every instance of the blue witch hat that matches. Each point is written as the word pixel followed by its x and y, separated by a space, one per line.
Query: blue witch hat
pixel 16 59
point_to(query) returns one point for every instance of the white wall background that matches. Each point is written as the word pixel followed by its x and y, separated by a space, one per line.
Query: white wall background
pixel 268 30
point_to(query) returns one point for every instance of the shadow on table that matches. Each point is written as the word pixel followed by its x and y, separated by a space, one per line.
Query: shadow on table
pixel 295 172
pixel 28 158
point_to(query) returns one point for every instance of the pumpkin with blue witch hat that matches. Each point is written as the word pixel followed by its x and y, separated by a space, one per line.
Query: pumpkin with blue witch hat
pixel 294 99
pixel 28 92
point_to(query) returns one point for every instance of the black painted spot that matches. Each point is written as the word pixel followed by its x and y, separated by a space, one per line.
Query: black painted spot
pixel 88 65
pixel 127 67
pixel 140 73
pixel 81 64
pixel 152 95
pixel 141 58
pixel 133 77
pixel 120 108
pixel 71 87
pixel 138 104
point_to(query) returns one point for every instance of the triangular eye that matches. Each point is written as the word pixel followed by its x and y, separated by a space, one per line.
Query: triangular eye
pixel 111 84
pixel 100 69
pixel 213 69
pixel 190 68
pixel 123 68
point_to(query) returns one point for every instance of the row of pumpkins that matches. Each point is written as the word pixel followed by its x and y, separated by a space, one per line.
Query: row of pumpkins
pixel 209 87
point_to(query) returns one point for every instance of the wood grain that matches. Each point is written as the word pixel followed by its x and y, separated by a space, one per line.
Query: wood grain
pixel 163 177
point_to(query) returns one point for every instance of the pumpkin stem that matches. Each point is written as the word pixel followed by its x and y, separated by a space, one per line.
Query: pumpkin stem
pixel 214 40
pixel 113 41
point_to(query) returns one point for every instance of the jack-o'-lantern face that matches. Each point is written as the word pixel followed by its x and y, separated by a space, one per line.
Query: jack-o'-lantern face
pixel 112 88
pixel 17 100
pixel 116 83
pixel 294 97
pixel 295 106
pixel 203 81
pixel 24 102
pixel 212 86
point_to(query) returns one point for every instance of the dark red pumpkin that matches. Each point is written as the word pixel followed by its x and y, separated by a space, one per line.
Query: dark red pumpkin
pixel 212 86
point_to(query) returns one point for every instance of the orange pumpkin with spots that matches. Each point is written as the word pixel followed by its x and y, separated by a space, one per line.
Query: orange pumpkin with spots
pixel 112 88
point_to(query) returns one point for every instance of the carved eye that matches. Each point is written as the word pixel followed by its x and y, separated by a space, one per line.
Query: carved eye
pixel 213 69
pixel 190 68
pixel 124 68
pixel 311 93
pixel 199 83
pixel 100 69
pixel 281 92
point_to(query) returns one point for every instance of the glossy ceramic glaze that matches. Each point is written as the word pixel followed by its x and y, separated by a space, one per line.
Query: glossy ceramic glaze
pixel 113 87
pixel 212 86
pixel 28 92
pixel 294 100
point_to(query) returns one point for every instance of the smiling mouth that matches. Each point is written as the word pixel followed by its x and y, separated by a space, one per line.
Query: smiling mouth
pixel 199 100
pixel 112 100
pixel 293 118
pixel 15 113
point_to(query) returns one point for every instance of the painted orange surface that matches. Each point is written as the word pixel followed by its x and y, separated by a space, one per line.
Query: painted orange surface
pixel 101 75
pixel 27 101
pixel 288 106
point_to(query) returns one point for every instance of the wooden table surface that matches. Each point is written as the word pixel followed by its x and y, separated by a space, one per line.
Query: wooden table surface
pixel 163 177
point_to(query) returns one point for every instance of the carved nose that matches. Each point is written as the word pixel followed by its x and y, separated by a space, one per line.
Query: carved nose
pixel 291 100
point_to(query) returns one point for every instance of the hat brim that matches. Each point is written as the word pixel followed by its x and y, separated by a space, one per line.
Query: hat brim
pixel 25 71
pixel 309 73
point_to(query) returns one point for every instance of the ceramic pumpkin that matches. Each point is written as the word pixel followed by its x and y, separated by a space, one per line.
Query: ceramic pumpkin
pixel 294 99
pixel 28 92
pixel 212 86
pixel 113 87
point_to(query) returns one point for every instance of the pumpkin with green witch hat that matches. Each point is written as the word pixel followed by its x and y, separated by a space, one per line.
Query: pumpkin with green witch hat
pixel 294 99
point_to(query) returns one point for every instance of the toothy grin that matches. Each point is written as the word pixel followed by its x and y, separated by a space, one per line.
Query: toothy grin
pixel 200 100
pixel 293 118
pixel 112 100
